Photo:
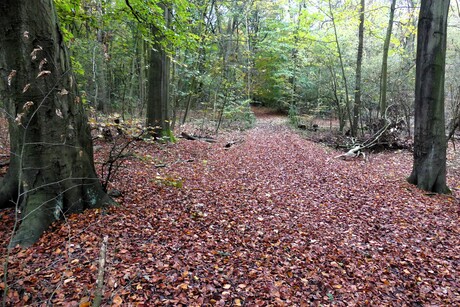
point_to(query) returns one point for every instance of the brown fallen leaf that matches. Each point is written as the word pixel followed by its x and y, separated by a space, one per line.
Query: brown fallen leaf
pixel 117 300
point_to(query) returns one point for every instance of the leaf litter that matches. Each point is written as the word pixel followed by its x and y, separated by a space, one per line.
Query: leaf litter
pixel 272 221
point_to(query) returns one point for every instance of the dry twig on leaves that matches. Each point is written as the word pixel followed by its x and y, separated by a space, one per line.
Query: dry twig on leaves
pixel 196 138
pixel 100 274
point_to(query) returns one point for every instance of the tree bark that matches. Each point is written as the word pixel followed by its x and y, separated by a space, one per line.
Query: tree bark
pixel 158 110
pixel 386 47
pixel 429 168
pixel 52 170
pixel 359 62
pixel 337 101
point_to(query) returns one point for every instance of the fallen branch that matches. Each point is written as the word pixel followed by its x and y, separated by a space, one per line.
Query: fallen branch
pixel 196 138
pixel 175 162
pixel 230 144
pixel 100 274
pixel 357 149
pixel 355 152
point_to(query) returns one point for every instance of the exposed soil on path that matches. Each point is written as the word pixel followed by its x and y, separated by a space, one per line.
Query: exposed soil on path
pixel 274 220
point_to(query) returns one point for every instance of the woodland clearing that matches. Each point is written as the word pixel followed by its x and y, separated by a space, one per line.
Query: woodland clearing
pixel 274 220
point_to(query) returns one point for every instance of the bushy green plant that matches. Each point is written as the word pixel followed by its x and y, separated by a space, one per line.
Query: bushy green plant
pixel 240 111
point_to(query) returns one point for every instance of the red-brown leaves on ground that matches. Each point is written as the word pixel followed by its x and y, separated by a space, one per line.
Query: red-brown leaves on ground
pixel 272 221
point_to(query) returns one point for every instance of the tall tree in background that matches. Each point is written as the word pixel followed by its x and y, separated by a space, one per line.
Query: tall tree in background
pixel 386 48
pixel 51 170
pixel 342 66
pixel 158 110
pixel 359 63
pixel 429 169
pixel 100 63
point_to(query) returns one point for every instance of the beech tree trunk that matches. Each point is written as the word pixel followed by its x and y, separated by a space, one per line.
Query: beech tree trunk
pixel 429 168
pixel 158 110
pixel 51 170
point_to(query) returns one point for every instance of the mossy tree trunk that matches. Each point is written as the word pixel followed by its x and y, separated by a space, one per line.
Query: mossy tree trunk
pixel 429 169
pixel 52 170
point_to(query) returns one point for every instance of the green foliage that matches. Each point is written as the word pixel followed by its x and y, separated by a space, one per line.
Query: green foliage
pixel 240 111
pixel 169 181
pixel 225 54
pixel 168 135
pixel 77 67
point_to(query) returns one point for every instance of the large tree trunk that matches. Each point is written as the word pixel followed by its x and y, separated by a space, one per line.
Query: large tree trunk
pixel 51 151
pixel 158 110
pixel 429 169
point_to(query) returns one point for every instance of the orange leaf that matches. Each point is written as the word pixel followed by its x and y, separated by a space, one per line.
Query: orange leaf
pixel 117 300
pixel 183 286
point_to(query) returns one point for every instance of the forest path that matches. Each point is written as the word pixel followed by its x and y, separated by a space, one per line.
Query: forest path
pixel 273 220
pixel 277 220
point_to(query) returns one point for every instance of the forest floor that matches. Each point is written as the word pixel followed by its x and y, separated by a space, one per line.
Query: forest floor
pixel 274 220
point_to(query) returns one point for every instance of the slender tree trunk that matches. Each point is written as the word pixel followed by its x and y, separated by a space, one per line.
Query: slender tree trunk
pixel 173 98
pixel 100 72
pixel 340 111
pixel 342 67
pixel 429 169
pixel 295 58
pixel 221 114
pixel 51 150
pixel 359 61
pixel 188 105
pixel 135 73
pixel 386 48
pixel 248 60
pixel 143 73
